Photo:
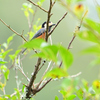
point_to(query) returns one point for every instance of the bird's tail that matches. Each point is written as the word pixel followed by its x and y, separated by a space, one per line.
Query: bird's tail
pixel 24 50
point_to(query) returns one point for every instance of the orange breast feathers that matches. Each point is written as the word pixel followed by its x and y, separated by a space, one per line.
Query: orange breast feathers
pixel 41 36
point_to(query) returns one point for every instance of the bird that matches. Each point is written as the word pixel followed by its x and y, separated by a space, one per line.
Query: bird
pixel 41 33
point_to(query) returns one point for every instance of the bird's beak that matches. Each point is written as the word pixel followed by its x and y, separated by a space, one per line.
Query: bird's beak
pixel 53 24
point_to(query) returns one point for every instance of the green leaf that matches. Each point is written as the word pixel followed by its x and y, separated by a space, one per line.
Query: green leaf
pixel 70 82
pixel 94 25
pixel 48 52
pixel 71 97
pixel 25 5
pixel 85 84
pixel 17 93
pixel 96 61
pixel 56 73
pixel 66 57
pixel 3 68
pixel 31 10
pixel 40 2
pixel 17 52
pixel 5 45
pixel 88 35
pixel 10 38
pixel 80 94
pixel 56 98
pixel 98 10
pixel 2 86
pixel 5 53
pixel 23 89
pixel 9 97
pixel 12 57
pixel 26 13
pixel 35 43
pixel 3 62
pixel 5 71
pixel 6 74
pixel 93 50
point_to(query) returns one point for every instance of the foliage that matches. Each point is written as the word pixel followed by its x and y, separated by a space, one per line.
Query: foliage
pixel 60 56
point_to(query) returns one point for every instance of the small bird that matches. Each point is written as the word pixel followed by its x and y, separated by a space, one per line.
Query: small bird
pixel 41 33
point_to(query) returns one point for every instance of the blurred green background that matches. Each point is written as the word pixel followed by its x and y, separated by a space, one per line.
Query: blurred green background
pixel 11 13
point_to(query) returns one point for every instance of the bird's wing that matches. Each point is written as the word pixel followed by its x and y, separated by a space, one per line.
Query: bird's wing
pixel 39 32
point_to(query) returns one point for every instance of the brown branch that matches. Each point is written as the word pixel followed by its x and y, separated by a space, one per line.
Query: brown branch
pixel 43 75
pixel 53 3
pixel 33 78
pixel 57 23
pixel 48 19
pixel 38 89
pixel 42 64
pixel 37 6
pixel 21 35
pixel 71 42
pixel 77 29
pixel 13 30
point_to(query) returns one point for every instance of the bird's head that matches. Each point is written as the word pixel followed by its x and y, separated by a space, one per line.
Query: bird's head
pixel 50 25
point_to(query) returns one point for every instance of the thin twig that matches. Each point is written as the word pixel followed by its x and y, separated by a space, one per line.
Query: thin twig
pixel 42 64
pixel 57 23
pixel 71 42
pixel 53 3
pixel 43 75
pixel 24 74
pixel 75 75
pixel 13 30
pixel 15 93
pixel 44 84
pixel 77 29
pixel 37 6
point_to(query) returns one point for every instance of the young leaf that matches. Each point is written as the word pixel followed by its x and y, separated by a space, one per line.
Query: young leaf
pixel 2 61
pixel 66 56
pixel 71 97
pixel 93 24
pixel 5 45
pixel 5 71
pixel 56 73
pixel 6 74
pixel 48 52
pixel 17 93
pixel 93 50
pixel 35 43
pixel 26 13
pixel 9 39
pixel 25 5
pixel 31 10
pixel 88 35
pixel 56 98
pixel 5 53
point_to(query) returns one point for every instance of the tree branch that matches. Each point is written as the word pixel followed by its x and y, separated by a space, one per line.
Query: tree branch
pixel 21 35
pixel 57 23
pixel 48 19
pixel 33 78
pixel 37 6
pixel 77 30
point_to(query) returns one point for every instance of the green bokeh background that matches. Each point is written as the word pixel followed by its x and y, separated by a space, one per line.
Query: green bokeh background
pixel 11 13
